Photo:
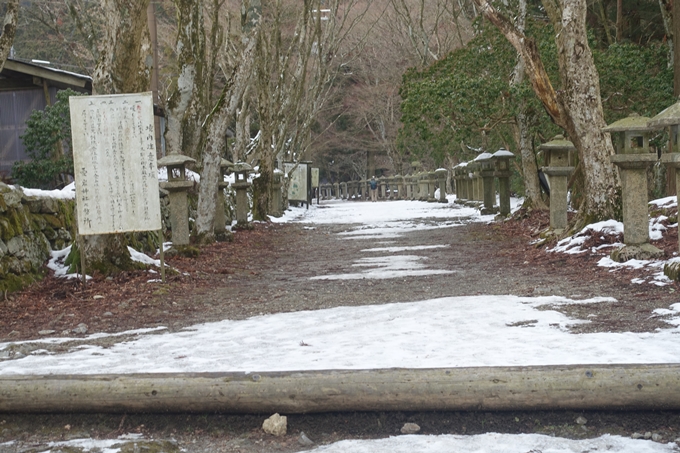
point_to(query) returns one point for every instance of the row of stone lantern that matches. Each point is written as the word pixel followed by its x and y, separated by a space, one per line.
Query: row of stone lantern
pixel 475 182
pixel 178 187
pixel 556 155
pixel 421 186
pixel 630 138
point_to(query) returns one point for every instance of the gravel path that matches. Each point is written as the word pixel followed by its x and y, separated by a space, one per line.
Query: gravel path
pixel 286 268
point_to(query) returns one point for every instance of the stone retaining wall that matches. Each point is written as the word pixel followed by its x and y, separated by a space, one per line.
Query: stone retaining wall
pixel 30 227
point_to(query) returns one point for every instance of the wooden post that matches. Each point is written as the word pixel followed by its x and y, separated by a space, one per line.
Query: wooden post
pixel 562 387
pixel 81 244
pixel 162 253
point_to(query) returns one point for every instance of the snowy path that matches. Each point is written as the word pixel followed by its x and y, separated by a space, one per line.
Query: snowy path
pixel 443 332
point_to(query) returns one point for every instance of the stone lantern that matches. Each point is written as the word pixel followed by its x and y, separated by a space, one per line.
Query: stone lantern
pixel 486 172
pixel 177 186
pixel 382 188
pixel 409 187
pixel 558 168
pixel 441 174
pixel 277 199
pixel 455 177
pixel 501 159
pixel 670 118
pixel 431 186
pixel 220 217
pixel 399 183
pixel 413 184
pixel 241 185
pixel 460 171
pixel 630 137
pixel 473 191
pixel 422 186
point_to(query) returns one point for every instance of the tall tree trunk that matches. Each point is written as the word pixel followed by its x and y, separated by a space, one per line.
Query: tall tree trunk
pixel 370 156
pixel 242 136
pixel 578 107
pixel 605 21
pixel 619 20
pixel 215 146
pixel 124 66
pixel 666 6
pixel 676 49
pixel 262 187
pixel 532 188
pixel 189 45
pixel 125 59
pixel 9 29
pixel 580 96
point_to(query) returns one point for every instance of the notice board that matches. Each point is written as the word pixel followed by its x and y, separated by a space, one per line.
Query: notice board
pixel 297 186
pixel 114 156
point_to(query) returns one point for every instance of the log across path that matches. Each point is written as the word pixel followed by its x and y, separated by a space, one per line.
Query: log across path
pixel 373 263
pixel 576 387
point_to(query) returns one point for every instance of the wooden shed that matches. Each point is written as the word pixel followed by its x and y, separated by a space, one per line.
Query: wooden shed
pixel 25 87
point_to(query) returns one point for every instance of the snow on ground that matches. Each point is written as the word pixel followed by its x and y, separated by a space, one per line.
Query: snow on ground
pixel 481 443
pixel 495 443
pixel 389 214
pixel 496 331
pixel 392 266
pixel 652 270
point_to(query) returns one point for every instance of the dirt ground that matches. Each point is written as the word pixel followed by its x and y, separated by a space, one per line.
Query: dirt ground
pixel 268 270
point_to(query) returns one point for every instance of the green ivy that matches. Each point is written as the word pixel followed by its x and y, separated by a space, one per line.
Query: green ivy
pixel 45 131
pixel 634 79
pixel 446 106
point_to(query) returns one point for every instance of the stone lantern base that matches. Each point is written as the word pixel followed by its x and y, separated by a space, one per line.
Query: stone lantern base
pixel 242 206
pixel 488 211
pixel 179 210
pixel 474 204
pixel 636 252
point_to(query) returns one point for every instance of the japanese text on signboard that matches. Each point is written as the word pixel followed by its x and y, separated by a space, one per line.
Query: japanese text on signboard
pixel 114 156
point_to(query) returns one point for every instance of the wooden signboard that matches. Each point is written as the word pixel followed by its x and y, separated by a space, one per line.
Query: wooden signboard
pixel 297 187
pixel 114 155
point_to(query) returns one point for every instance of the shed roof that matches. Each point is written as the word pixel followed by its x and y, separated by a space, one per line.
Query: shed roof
pixel 19 74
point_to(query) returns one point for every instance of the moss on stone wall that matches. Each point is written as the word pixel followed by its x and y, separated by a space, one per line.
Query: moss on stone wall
pixel 30 227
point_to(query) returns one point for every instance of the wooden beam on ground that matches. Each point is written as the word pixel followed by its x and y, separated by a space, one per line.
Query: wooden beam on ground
pixel 576 387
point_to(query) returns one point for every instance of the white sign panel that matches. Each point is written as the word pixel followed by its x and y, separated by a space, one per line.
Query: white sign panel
pixel 297 187
pixel 114 157
pixel 315 177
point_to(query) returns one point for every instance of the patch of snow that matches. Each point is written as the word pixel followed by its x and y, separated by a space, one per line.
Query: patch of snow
pixel 667 202
pixel 496 443
pixel 408 335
